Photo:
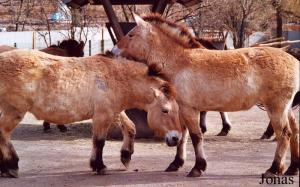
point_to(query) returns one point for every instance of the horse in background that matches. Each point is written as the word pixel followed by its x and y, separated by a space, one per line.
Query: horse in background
pixel 67 48
pixel 65 90
pixel 226 80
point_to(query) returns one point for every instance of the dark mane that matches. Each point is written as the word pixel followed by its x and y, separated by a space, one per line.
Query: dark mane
pixel 179 32
pixel 155 71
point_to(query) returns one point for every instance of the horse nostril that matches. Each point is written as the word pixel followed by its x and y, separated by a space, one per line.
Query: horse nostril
pixel 175 138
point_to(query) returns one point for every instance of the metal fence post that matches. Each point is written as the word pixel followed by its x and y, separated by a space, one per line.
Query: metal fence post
pixel 102 41
pixel 33 40
pixel 90 47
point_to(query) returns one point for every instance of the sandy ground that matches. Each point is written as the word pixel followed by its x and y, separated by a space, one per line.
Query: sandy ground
pixel 61 159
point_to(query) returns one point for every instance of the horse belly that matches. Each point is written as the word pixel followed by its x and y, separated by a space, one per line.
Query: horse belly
pixel 207 94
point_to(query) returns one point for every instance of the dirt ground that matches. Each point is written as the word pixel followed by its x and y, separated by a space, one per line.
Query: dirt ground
pixel 62 159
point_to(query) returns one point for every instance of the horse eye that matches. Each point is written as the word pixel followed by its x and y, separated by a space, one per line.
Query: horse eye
pixel 165 111
pixel 130 35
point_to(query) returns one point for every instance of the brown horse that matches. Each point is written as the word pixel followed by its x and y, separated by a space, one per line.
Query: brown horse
pixel 217 80
pixel 73 48
pixel 75 89
pixel 226 124
pixel 67 48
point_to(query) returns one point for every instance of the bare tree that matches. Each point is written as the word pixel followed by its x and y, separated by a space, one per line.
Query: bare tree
pixel 43 25
pixel 78 22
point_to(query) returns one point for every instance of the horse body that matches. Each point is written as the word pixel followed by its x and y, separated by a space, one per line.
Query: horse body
pixel 41 83
pixel 233 80
pixel 75 89
pixel 230 80
pixel 67 48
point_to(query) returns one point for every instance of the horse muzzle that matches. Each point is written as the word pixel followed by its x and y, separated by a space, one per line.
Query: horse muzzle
pixel 116 51
pixel 173 138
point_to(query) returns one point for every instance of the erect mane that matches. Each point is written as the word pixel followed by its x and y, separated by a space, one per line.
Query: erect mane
pixel 168 89
pixel 178 32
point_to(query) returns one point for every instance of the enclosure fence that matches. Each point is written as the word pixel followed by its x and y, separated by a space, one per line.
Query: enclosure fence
pixel 98 40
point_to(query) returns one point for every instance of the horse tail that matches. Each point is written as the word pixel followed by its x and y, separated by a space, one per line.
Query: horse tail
pixel 296 100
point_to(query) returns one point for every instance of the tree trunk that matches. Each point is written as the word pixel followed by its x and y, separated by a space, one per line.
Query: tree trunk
pixel 241 34
pixel 278 22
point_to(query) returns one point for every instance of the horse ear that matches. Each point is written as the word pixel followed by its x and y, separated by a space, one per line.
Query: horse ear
pixel 139 21
pixel 156 92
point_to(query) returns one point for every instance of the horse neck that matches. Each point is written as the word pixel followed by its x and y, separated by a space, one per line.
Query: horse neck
pixel 170 61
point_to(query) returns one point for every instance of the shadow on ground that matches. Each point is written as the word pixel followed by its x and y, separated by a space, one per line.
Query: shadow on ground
pixel 35 132
pixel 86 178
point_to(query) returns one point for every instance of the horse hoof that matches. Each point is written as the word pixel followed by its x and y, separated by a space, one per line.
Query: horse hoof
pixel 125 162
pixel 222 133
pixel 172 168
pixel 102 171
pixel 292 171
pixel 126 157
pixel 10 174
pixel 203 130
pixel 195 173
pixel 264 136
pixel 47 130
pixel 62 128
pixel 269 174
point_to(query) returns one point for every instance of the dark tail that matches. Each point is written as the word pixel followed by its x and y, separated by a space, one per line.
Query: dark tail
pixel 296 100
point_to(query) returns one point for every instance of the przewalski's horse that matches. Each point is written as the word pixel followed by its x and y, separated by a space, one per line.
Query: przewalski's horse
pixel 67 48
pixel 225 121
pixel 65 90
pixel 74 48
pixel 212 80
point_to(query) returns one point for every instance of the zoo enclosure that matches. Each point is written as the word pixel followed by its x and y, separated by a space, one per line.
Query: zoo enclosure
pixel 98 40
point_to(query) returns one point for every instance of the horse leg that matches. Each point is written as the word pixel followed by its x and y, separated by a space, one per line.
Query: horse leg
pixel 203 121
pixel 268 133
pixel 9 159
pixel 128 130
pixel 226 124
pixel 190 118
pixel 100 128
pixel 62 127
pixel 280 123
pixel 46 126
pixel 294 146
pixel 180 154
